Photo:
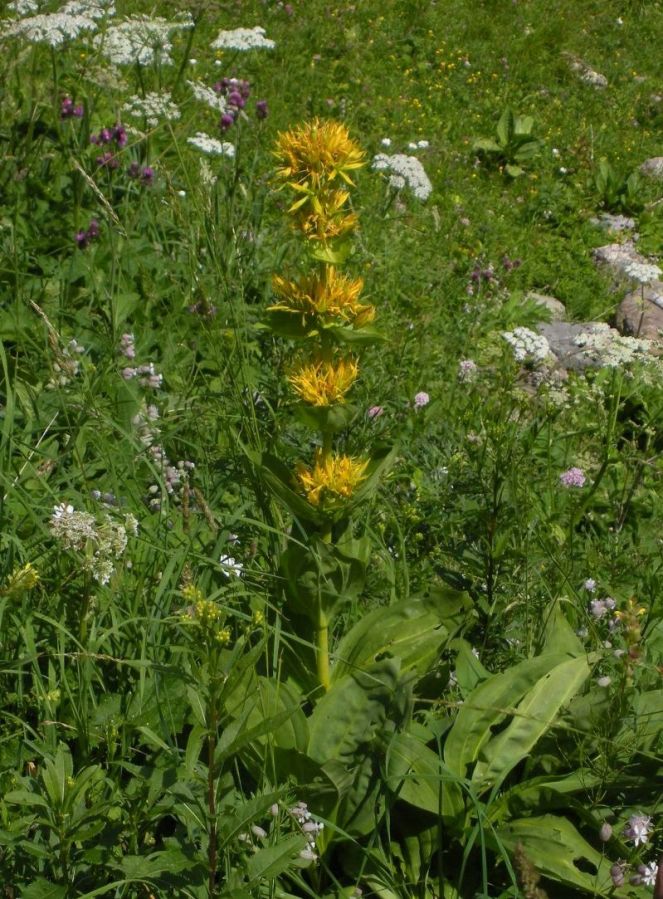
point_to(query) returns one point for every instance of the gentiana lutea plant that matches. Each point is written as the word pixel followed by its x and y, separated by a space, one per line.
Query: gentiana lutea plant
pixel 322 310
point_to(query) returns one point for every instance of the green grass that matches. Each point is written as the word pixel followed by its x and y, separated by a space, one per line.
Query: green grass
pixel 152 722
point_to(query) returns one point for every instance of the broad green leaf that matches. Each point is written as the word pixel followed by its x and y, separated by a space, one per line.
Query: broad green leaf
pixel 42 889
pixel 487 706
pixel 558 635
pixel 236 819
pixel 273 860
pixel 533 717
pixel 410 630
pixel 559 852
pixel 353 713
pixel 418 776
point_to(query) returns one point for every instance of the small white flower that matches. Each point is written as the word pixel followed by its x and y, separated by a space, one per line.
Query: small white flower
pixel 243 39
pixel 412 145
pixel 208 96
pixel 405 170
pixel 638 829
pixel 154 107
pixel 386 141
pixel 423 144
pixel 211 145
pixel 604 681
pixel 643 272
pixel 231 566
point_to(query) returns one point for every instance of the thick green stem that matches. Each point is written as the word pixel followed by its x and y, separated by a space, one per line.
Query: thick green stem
pixel 322 649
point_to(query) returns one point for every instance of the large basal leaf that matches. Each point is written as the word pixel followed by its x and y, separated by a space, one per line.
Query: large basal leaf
pixel 559 852
pixel 544 793
pixel 42 889
pixel 411 631
pixel 354 712
pixel 487 706
pixel 533 717
pixel 417 775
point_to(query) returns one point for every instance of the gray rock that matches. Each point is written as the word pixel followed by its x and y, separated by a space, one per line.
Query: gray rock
pixel 618 256
pixel 640 314
pixel 555 307
pixel 562 336
pixel 614 222
pixel 653 167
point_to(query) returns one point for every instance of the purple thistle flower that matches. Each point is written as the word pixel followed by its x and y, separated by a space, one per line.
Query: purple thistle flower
pixel 120 135
pixel 261 109
pixel 147 176
pixel 108 160
pixel 574 477
pixel 81 239
pixel 236 99
pixel 79 111
pixel 227 119
pixel 134 170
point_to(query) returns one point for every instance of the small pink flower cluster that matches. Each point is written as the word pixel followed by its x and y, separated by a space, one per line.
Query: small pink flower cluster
pixel 574 477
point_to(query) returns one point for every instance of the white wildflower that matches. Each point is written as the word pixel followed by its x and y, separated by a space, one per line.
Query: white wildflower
pixel 54 29
pixel 648 873
pixel 643 272
pixel 527 346
pixel 243 39
pixel 638 829
pixel 208 96
pixel 611 349
pixel 153 107
pixel 386 141
pixel 231 566
pixel 23 7
pixel 405 171
pixel 139 39
pixel 422 145
pixel 211 145
pixel 102 543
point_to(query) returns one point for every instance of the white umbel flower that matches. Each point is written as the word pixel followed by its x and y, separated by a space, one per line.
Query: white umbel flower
pixel 208 96
pixel 243 39
pixel 405 171
pixel 527 346
pixel 153 107
pixel 643 272
pixel 139 39
pixel 211 145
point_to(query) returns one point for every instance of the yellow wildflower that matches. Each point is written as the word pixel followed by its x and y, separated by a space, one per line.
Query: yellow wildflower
pixel 20 580
pixel 324 383
pixel 316 152
pixel 331 478
pixel 328 296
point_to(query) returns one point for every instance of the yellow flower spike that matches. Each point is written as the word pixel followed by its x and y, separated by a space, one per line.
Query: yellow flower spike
pixel 328 295
pixel 331 478
pixel 317 152
pixel 21 580
pixel 324 383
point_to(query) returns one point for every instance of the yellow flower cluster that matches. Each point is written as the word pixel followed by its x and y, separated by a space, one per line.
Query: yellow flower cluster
pixel 21 580
pixel 321 383
pixel 206 614
pixel 332 478
pixel 313 154
pixel 325 297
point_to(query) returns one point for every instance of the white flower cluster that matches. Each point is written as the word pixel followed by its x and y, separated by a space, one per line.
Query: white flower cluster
pixel 611 349
pixel 418 145
pixel 153 107
pixel 310 828
pixel 243 39
pixel 65 366
pixel 140 39
pixel 54 29
pixel 102 543
pixel 211 145
pixel 405 171
pixel 23 7
pixel 643 272
pixel 527 346
pixel 208 96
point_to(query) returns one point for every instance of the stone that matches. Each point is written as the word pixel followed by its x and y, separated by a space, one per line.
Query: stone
pixel 555 307
pixel 640 314
pixel 586 73
pixel 561 337
pixel 618 256
pixel 653 168
pixel 614 222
